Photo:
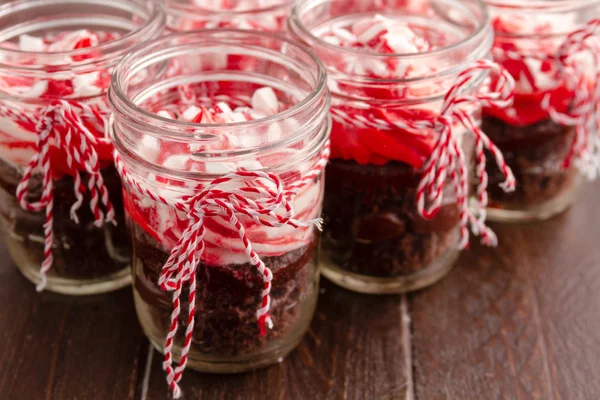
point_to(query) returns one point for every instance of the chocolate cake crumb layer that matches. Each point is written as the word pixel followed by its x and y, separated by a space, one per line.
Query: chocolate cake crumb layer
pixel 536 154
pixel 81 250
pixel 372 226
pixel 228 297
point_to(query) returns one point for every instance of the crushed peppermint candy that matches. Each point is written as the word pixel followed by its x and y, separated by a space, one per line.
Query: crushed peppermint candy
pixel 239 5
pixel 261 15
pixel 61 42
pixel 362 133
pixel 383 35
pixel 18 121
pixel 555 61
pixel 218 110
pixel 527 46
pixel 263 103
pixel 380 35
pixel 535 73
pixel 63 84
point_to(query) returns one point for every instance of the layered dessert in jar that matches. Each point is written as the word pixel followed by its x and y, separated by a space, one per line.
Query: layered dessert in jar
pixel 259 15
pixel 403 136
pixel 223 193
pixel 548 136
pixel 61 197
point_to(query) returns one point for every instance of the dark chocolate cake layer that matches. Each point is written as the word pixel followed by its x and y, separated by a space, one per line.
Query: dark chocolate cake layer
pixel 228 297
pixel 535 153
pixel 372 223
pixel 81 251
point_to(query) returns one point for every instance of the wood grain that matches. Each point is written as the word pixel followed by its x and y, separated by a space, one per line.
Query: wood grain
pixel 58 347
pixel 564 261
pixel 517 322
pixel 354 350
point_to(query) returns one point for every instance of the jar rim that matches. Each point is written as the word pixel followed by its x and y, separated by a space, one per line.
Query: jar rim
pixel 172 7
pixel 156 19
pixel 554 6
pixel 547 7
pixel 140 162
pixel 295 22
pixel 115 88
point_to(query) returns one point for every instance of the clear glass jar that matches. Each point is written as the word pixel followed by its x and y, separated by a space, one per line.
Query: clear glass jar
pixel 375 240
pixel 536 142
pixel 169 159
pixel 260 15
pixel 64 227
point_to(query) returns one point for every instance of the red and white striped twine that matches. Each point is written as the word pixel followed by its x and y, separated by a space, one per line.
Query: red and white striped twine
pixel 258 195
pixel 447 159
pixel 584 112
pixel 66 115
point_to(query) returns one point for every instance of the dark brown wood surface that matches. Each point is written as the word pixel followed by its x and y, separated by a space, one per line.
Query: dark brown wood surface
pixel 517 322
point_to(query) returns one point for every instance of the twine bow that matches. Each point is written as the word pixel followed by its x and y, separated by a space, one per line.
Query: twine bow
pixel 447 158
pixel 257 195
pixel 584 112
pixel 61 125
pixel 448 155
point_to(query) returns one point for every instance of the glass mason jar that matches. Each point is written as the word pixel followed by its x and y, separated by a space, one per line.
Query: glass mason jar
pixel 393 70
pixel 547 137
pixel 59 190
pixel 259 15
pixel 177 161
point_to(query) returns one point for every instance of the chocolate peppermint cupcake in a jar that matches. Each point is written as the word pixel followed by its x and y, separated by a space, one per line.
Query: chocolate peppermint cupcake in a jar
pixel 408 81
pixel 259 15
pixel 549 136
pixel 60 196
pixel 223 195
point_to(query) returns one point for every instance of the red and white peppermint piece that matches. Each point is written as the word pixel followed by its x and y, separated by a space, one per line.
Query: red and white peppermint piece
pixel 31 43
pixel 381 35
pixel 73 40
pixel 264 101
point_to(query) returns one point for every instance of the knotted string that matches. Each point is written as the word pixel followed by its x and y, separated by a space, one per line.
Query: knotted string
pixel 447 161
pixel 584 111
pixel 61 125
pixel 258 195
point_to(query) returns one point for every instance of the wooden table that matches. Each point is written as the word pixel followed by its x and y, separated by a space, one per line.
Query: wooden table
pixel 517 322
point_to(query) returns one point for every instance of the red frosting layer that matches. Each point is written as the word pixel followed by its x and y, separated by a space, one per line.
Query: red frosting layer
pixel 380 146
